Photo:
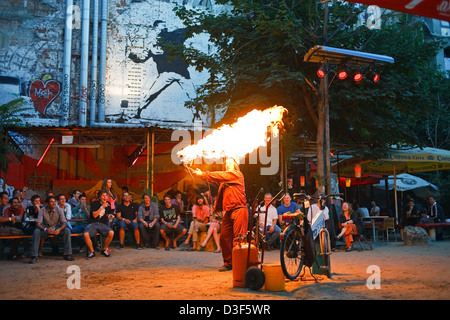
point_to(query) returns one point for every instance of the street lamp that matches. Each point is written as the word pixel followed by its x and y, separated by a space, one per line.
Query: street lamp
pixel 342 59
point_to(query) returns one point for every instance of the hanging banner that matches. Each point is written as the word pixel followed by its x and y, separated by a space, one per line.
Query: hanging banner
pixel 436 9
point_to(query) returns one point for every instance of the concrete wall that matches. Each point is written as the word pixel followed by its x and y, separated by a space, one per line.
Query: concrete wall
pixel 142 87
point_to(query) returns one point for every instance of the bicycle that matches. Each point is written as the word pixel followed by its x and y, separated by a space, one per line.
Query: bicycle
pixel 297 241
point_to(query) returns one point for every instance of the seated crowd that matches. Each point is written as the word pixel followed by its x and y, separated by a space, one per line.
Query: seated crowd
pixel 150 221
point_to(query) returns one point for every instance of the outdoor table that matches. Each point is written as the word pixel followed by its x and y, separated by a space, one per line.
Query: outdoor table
pixel 373 218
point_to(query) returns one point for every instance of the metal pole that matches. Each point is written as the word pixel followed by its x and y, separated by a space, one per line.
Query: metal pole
pixel 93 100
pixel 148 161
pixel 326 113
pixel 326 119
pixel 102 66
pixel 395 195
pixel 84 63
pixel 153 160
pixel 65 101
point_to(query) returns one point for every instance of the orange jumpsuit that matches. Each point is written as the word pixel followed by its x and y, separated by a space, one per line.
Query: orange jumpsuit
pixel 232 201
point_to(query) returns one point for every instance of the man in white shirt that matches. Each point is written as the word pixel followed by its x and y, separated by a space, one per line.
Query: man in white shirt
pixel 316 208
pixel 375 210
pixel 273 231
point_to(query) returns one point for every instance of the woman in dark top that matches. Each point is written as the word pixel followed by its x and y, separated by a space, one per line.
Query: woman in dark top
pixel 349 225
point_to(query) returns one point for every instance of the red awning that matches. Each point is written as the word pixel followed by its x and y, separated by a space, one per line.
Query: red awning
pixel 359 181
pixel 436 9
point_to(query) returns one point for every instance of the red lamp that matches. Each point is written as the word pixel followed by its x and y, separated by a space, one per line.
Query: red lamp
pixel 322 71
pixel 357 76
pixel 302 181
pixel 342 73
pixel 357 170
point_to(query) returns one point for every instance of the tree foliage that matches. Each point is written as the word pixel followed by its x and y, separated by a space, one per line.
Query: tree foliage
pixel 258 62
pixel 9 118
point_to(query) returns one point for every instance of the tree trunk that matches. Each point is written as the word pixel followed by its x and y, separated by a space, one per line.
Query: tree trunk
pixel 320 138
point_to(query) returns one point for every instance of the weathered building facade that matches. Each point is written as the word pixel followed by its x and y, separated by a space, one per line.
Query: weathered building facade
pixel 88 71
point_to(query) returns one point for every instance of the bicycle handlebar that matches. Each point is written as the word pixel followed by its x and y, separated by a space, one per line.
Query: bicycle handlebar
pixel 305 196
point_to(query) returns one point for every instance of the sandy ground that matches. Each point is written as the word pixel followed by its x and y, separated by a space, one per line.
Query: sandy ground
pixel 406 273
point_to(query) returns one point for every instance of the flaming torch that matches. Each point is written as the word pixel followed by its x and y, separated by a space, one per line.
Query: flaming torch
pixel 244 136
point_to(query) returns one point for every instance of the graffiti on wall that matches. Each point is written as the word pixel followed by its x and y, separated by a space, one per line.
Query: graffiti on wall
pixel 145 83
pixel 169 70
pixel 42 93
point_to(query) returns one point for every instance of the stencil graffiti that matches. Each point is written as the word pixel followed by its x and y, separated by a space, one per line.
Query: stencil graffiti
pixel 42 94
pixel 169 70
pixel 145 83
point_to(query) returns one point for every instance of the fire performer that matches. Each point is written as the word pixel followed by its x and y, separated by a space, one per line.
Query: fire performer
pixel 232 201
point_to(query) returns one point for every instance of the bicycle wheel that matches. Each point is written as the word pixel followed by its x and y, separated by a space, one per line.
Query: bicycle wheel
pixel 291 253
pixel 325 251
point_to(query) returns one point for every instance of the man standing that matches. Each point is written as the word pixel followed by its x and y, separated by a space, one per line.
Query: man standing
pixel 100 212
pixel 51 221
pixel 273 231
pixel 127 216
pixel 231 199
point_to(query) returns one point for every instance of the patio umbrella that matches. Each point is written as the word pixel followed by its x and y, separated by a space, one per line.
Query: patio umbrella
pixel 397 161
pixel 407 182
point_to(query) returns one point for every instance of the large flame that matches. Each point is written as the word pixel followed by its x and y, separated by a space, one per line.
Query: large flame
pixel 236 140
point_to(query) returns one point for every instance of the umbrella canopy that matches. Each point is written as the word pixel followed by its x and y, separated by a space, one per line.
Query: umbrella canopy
pixel 398 161
pixel 407 182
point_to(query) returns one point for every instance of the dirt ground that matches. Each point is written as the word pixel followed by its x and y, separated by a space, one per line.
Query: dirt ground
pixel 406 273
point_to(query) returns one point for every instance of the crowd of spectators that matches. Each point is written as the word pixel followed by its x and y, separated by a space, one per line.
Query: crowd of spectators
pixel 149 221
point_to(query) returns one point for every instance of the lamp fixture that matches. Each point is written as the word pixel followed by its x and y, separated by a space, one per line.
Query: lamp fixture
pixel 302 181
pixel 322 71
pixel 372 75
pixel 357 75
pixel 348 182
pixel 358 170
pixel 342 73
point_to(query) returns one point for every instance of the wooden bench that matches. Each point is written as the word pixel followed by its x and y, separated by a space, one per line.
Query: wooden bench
pixel 431 228
pixel 30 236
pixel 2 244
